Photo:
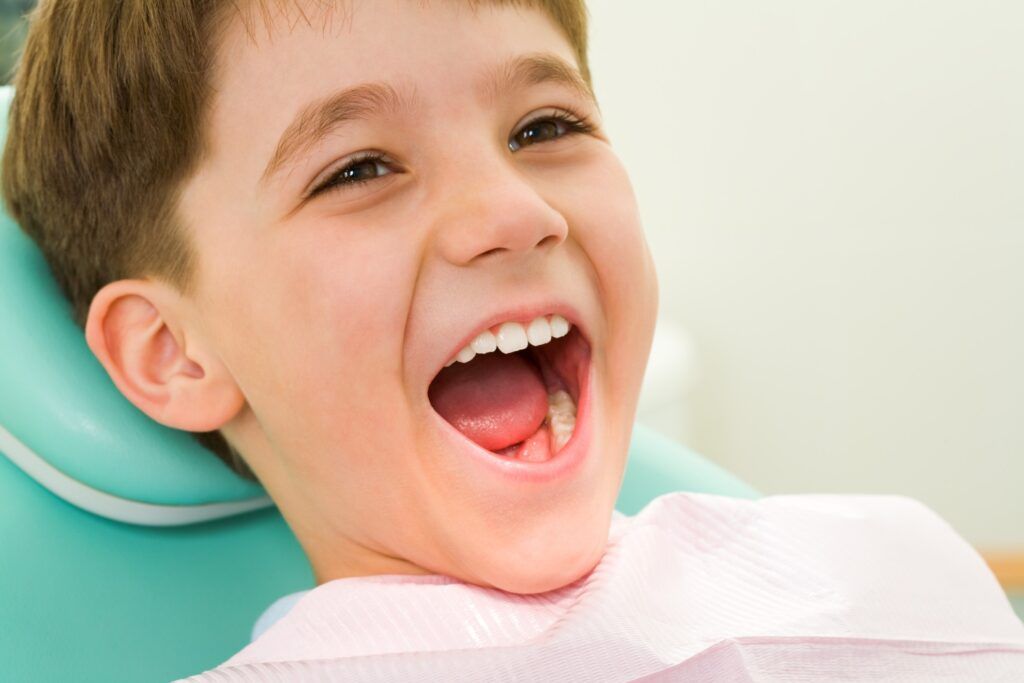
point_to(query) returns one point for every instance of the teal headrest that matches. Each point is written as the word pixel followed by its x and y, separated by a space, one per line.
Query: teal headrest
pixel 67 426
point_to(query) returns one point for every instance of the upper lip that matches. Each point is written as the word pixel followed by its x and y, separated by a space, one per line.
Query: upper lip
pixel 523 314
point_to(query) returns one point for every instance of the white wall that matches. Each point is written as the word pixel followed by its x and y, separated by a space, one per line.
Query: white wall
pixel 834 192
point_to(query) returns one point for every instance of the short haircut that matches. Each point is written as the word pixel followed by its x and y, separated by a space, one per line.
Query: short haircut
pixel 107 125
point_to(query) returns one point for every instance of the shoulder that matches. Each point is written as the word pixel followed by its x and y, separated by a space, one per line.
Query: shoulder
pixel 894 512
pixel 867 544
pixel 860 519
pixel 840 535
pixel 831 564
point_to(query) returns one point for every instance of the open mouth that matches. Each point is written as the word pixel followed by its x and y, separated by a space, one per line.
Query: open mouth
pixel 520 405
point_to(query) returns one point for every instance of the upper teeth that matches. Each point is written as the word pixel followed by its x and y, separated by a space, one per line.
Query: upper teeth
pixel 510 337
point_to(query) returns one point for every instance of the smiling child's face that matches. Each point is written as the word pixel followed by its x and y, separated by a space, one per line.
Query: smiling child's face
pixel 333 305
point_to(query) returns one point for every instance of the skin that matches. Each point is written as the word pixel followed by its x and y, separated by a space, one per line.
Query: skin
pixel 317 325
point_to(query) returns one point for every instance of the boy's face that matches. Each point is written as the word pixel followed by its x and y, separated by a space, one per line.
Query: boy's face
pixel 334 312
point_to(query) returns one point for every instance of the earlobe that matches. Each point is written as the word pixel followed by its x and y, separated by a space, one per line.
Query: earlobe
pixel 140 336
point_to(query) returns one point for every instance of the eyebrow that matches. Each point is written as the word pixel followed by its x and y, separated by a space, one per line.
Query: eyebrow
pixel 369 100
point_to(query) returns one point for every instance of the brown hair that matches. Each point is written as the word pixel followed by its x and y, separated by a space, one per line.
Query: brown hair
pixel 106 126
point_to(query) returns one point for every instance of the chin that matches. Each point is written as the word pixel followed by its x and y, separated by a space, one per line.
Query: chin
pixel 542 567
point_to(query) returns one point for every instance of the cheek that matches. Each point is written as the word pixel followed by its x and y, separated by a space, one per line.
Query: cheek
pixel 319 337
pixel 607 222
pixel 612 237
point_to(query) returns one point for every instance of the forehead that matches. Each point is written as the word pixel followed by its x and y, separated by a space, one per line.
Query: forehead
pixel 276 59
pixel 285 50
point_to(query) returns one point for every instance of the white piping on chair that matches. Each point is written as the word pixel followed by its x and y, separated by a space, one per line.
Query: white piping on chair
pixel 114 507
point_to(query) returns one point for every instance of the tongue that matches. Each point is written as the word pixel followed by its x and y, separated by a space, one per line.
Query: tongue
pixel 496 400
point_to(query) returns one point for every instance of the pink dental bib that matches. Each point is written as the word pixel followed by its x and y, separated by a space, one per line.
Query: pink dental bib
pixel 696 587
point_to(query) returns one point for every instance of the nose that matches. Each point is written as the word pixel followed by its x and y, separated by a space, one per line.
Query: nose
pixel 495 213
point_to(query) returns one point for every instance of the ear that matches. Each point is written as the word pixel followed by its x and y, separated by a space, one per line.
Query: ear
pixel 139 331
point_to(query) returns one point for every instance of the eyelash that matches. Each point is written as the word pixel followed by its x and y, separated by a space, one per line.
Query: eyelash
pixel 335 183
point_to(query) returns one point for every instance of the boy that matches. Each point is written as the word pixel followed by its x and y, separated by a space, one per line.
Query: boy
pixel 383 250
pixel 327 290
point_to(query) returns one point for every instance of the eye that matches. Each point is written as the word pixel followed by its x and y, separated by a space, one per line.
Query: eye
pixel 360 170
pixel 550 127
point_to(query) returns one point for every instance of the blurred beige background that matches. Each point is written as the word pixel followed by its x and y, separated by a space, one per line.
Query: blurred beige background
pixel 833 193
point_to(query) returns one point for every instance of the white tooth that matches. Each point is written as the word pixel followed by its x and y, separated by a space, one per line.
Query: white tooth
pixel 539 331
pixel 559 326
pixel 466 354
pixel 484 342
pixel 561 418
pixel 511 337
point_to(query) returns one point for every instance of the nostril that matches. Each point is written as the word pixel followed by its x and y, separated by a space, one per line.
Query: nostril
pixel 548 240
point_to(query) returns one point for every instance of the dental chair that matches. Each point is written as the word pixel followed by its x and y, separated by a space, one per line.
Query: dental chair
pixel 127 551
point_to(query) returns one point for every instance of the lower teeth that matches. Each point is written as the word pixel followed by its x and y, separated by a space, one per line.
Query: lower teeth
pixel 561 418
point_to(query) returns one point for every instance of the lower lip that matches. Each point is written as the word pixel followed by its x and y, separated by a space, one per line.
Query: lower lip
pixel 561 465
